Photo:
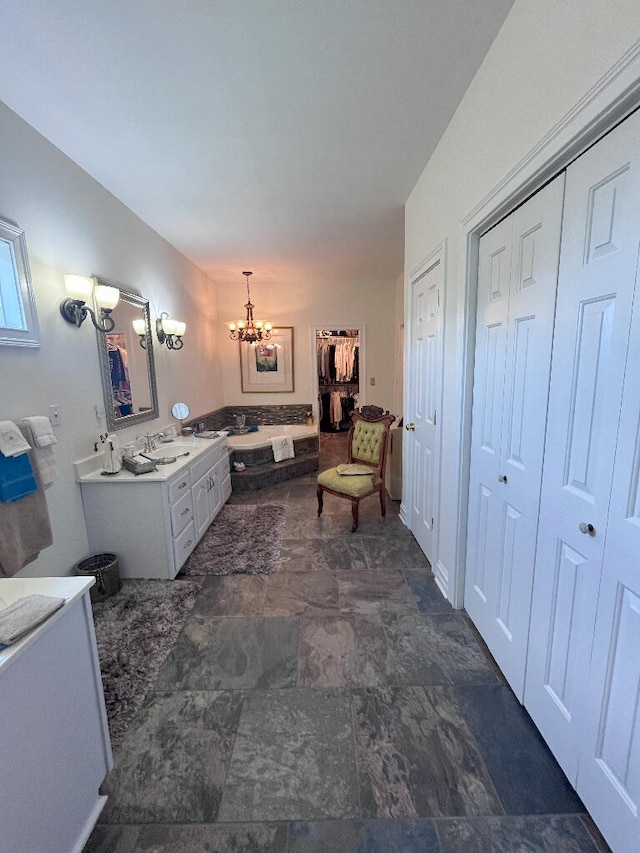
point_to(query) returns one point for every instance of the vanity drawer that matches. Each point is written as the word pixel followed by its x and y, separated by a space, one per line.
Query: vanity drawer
pixel 180 486
pixel 183 545
pixel 181 513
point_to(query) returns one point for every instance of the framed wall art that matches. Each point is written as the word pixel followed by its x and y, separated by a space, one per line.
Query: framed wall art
pixel 267 367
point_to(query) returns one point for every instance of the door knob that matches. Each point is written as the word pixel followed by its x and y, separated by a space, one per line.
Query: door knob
pixel 502 478
pixel 410 427
pixel 587 528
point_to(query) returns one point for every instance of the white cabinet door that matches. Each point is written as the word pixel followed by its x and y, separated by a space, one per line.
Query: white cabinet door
pixel 422 445
pixel 203 510
pixel 599 255
pixel 518 267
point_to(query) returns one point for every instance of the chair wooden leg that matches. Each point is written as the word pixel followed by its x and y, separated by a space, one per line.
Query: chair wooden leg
pixel 320 494
pixel 354 512
pixel 383 503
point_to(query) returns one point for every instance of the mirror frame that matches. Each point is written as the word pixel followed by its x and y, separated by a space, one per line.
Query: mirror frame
pixel 29 334
pixel 114 423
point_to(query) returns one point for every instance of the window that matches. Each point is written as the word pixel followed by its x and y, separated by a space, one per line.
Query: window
pixel 18 318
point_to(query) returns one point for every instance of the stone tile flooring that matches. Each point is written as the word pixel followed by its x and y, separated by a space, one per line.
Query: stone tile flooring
pixel 337 706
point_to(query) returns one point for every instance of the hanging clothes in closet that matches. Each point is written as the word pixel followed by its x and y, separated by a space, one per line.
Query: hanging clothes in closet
pixel 338 378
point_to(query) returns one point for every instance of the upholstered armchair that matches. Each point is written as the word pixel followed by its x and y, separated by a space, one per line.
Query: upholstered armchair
pixel 363 474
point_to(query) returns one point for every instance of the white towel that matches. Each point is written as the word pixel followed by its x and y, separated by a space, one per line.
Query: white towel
pixel 43 459
pixel 282 448
pixel 12 442
pixel 41 430
pixel 24 615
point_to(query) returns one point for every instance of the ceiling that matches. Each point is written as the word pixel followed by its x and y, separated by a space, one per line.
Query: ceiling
pixel 282 136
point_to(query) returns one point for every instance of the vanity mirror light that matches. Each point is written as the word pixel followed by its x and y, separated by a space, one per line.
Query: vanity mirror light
pixel 126 364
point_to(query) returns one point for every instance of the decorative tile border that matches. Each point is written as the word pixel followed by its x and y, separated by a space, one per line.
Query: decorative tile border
pixel 254 415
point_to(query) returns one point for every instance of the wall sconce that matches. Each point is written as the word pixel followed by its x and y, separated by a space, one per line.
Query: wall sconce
pixel 74 310
pixel 170 331
pixel 140 328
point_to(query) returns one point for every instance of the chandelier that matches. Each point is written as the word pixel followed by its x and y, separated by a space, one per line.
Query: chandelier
pixel 248 330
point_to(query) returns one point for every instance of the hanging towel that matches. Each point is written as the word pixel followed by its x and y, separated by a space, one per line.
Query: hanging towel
pixel 24 615
pixel 11 441
pixel 43 456
pixel 25 530
pixel 16 477
pixel 41 430
pixel 282 448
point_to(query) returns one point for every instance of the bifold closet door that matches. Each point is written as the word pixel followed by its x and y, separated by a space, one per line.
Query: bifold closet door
pixel 609 769
pixel 598 266
pixel 518 268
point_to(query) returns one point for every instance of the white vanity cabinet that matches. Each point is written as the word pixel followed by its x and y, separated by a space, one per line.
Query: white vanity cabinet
pixel 211 488
pixel 54 740
pixel 154 521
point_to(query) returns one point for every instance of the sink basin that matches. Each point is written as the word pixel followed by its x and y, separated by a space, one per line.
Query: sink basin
pixel 168 452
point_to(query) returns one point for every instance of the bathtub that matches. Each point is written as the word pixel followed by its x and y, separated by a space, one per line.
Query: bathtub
pixel 262 438
pixel 255 451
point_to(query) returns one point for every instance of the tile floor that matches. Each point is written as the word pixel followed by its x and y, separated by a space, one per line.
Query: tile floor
pixel 337 706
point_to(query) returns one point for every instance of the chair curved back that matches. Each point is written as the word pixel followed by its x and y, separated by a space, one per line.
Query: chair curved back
pixel 368 440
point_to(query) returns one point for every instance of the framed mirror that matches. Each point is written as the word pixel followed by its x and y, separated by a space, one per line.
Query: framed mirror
pixel 126 364
pixel 18 317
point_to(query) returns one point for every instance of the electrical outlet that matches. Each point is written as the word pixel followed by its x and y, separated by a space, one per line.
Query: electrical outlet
pixel 372 381
pixel 54 415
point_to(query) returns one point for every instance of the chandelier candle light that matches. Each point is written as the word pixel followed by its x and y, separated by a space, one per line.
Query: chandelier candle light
pixel 248 330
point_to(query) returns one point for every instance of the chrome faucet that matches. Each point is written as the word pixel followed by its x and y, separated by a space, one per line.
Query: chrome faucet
pixel 150 441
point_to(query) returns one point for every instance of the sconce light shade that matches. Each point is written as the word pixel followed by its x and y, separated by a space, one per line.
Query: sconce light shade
pixel 78 287
pixel 140 328
pixel 170 332
pixel 107 297
pixel 74 310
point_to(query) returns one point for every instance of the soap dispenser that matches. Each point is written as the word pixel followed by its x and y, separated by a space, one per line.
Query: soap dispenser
pixel 112 455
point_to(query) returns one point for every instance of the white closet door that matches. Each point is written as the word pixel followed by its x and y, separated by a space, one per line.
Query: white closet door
pixel 422 439
pixel 518 267
pixel 609 773
pixel 595 291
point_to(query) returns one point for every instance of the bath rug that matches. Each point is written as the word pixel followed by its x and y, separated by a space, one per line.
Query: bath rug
pixel 242 539
pixel 135 630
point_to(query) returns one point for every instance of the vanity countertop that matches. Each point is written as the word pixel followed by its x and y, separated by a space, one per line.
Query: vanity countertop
pixel 12 589
pixel 89 470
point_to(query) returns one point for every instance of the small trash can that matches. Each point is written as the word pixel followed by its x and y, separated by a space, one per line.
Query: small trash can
pixel 104 567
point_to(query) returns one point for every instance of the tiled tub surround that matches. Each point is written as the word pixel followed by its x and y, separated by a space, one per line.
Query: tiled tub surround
pixel 224 418
pixel 255 451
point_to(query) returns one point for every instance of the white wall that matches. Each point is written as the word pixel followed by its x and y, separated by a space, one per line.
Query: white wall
pixel 546 57
pixel 341 304
pixel 73 225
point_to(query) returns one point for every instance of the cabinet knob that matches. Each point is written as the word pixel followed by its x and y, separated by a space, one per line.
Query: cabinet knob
pixel 502 478
pixel 411 427
pixel 588 529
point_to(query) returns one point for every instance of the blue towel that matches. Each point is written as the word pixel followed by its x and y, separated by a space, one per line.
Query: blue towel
pixel 16 477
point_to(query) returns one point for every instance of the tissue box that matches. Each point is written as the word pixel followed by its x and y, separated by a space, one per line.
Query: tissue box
pixel 138 464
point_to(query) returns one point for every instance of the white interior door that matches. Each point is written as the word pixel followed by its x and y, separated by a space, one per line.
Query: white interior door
pixel 595 292
pixel 609 774
pixel 518 268
pixel 421 444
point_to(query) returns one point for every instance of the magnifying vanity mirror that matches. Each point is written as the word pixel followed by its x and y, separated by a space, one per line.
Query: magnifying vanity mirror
pixel 126 364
